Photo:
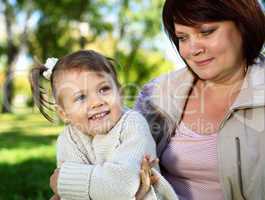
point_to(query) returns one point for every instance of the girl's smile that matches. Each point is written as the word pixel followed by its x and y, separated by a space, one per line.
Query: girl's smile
pixel 91 101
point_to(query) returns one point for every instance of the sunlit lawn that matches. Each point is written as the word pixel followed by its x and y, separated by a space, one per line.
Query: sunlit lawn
pixel 27 156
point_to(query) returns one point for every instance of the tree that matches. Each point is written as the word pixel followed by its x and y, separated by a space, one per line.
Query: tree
pixel 12 46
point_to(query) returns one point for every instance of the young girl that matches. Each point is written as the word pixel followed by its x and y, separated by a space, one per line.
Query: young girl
pixel 100 150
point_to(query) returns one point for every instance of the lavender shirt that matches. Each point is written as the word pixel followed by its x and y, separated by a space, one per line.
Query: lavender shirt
pixel 189 163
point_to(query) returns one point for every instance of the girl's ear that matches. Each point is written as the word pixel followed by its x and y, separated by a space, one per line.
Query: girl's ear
pixel 121 92
pixel 62 113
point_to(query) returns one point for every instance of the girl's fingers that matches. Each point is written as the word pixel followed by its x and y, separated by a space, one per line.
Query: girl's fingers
pixel 147 162
pixel 145 181
pixel 154 162
pixel 154 179
pixel 145 165
pixel 147 157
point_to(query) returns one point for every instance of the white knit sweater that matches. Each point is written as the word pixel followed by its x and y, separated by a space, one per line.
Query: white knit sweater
pixel 107 167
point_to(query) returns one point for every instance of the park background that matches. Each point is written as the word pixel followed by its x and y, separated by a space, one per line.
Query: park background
pixel 129 31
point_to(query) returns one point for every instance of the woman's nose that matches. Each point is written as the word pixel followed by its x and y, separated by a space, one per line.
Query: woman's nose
pixel 196 47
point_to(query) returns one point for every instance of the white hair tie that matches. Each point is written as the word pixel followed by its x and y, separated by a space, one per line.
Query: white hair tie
pixel 49 64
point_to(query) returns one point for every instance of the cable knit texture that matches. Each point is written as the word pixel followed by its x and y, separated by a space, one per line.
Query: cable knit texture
pixel 107 167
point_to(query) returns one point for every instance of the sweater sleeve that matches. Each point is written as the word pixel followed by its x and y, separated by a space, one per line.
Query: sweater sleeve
pixel 74 176
pixel 116 178
pixel 66 151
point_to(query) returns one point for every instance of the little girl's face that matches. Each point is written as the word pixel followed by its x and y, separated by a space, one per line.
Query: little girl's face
pixel 89 100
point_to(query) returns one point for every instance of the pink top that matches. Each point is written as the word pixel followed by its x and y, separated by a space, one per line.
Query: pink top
pixel 189 163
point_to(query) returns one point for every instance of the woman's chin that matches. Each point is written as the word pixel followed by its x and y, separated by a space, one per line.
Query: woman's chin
pixel 207 75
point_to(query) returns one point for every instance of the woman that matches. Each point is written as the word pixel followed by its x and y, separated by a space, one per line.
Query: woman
pixel 208 118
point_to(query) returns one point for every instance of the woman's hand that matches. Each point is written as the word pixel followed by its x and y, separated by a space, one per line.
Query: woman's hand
pixel 53 181
pixel 147 179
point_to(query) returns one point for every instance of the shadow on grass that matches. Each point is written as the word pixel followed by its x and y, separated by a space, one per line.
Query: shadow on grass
pixel 16 138
pixel 28 180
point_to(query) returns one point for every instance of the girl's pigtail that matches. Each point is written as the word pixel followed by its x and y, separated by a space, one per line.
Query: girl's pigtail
pixel 40 95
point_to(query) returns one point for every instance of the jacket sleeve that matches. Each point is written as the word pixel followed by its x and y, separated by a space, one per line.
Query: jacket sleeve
pixel 118 177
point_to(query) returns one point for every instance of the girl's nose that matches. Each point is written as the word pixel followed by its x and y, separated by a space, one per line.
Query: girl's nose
pixel 95 102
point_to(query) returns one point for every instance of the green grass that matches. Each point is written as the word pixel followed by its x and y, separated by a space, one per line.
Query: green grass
pixel 27 156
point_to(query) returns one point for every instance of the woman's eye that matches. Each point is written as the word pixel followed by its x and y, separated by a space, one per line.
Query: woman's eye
pixel 207 32
pixel 80 97
pixel 104 89
pixel 181 38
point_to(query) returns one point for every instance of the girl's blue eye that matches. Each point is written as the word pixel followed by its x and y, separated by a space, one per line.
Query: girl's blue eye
pixel 80 97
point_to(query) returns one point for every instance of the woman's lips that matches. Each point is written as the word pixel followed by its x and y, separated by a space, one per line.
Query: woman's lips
pixel 203 62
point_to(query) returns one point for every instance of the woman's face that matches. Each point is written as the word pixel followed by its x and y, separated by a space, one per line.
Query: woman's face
pixel 213 50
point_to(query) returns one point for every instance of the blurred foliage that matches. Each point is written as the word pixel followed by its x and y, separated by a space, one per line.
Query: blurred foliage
pixel 121 29
pixel 1 78
pixel 57 31
pixel 22 86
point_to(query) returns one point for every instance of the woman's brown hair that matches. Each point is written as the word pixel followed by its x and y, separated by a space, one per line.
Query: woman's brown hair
pixel 87 60
pixel 246 14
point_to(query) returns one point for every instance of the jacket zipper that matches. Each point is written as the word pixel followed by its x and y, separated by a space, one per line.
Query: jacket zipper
pixel 239 169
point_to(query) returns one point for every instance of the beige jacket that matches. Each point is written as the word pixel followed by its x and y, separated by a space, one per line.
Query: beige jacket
pixel 241 142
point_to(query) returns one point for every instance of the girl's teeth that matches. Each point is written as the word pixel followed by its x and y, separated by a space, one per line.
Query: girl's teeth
pixel 98 115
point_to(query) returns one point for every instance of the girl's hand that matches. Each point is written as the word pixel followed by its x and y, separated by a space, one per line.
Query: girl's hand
pixel 53 181
pixel 147 179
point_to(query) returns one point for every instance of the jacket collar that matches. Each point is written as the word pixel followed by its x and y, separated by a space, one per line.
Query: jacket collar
pixel 171 91
pixel 252 93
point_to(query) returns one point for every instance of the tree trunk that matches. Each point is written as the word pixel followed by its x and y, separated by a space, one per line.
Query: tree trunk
pixel 8 89
pixel 131 57
pixel 13 51
pixel 12 54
